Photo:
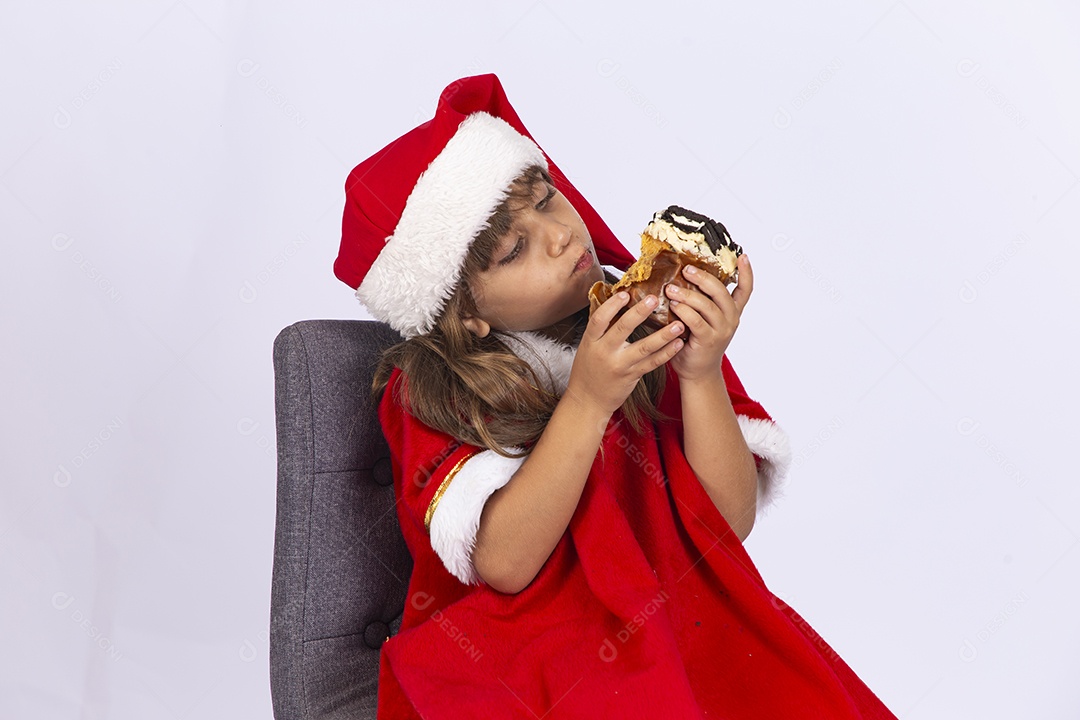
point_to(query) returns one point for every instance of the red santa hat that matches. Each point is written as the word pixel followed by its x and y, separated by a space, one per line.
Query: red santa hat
pixel 413 208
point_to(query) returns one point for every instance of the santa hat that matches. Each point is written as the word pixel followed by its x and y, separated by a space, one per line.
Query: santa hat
pixel 413 208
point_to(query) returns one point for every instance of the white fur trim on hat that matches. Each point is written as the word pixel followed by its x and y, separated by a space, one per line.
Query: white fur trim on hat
pixel 770 443
pixel 416 271
pixel 457 516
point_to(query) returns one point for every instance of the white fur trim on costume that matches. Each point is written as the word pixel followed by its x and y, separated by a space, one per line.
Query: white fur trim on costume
pixel 457 516
pixel 550 359
pixel 766 440
pixel 415 272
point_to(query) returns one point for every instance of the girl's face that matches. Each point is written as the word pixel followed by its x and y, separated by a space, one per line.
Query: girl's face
pixel 541 271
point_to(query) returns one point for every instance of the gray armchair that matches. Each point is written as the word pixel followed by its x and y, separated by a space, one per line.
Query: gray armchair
pixel 341 567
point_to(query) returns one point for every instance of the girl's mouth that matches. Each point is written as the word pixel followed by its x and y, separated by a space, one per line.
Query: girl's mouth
pixel 586 261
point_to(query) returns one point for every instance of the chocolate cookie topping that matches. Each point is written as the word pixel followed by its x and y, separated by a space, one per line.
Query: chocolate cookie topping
pixel 716 235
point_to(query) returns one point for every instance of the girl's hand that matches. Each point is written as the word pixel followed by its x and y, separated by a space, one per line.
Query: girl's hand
pixel 712 315
pixel 607 367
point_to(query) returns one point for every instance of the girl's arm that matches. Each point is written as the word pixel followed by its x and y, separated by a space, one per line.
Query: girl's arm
pixel 712 439
pixel 714 446
pixel 523 521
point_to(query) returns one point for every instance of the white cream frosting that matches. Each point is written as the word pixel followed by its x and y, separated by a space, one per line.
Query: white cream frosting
pixel 691 242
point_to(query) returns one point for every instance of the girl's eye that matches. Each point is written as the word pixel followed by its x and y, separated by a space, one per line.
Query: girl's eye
pixel 550 194
pixel 513 254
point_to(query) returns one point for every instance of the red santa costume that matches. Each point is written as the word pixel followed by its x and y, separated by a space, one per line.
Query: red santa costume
pixel 649 606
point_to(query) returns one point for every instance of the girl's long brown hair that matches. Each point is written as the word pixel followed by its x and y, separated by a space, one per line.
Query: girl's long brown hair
pixel 476 389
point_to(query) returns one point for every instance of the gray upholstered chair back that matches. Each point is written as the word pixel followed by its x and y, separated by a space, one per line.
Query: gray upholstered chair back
pixel 341 567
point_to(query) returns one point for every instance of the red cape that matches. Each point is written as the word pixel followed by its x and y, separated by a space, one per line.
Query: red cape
pixel 648 607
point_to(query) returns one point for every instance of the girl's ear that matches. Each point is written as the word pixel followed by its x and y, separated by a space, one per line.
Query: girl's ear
pixel 477 326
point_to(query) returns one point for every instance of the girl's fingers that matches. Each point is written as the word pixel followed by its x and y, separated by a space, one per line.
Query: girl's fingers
pixel 702 307
pixel 655 342
pixel 633 317
pixel 600 322
pixel 695 320
pixel 657 348
pixel 707 283
pixel 716 293
pixel 745 286
pixel 666 353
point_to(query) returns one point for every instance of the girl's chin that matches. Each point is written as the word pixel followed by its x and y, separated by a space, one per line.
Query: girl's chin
pixel 572 320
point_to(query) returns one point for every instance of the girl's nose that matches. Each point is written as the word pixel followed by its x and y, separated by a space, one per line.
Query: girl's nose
pixel 559 237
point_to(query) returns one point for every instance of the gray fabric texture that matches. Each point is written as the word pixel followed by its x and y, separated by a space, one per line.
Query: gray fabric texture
pixel 341 567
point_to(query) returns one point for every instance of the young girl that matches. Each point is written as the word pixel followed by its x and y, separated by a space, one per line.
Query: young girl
pixel 574 491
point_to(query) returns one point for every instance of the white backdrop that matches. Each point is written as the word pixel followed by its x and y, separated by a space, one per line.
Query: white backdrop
pixel 901 173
